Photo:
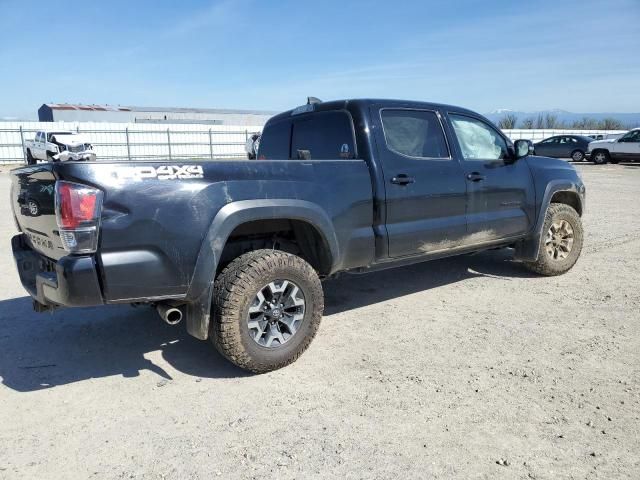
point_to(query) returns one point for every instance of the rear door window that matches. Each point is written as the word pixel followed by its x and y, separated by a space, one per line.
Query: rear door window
pixel 323 136
pixel 414 133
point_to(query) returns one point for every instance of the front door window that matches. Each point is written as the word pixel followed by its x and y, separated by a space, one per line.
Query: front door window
pixel 477 140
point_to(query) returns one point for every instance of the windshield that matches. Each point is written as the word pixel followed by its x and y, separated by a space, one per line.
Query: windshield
pixel 51 134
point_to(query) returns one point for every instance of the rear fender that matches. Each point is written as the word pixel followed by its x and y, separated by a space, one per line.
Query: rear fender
pixel 199 296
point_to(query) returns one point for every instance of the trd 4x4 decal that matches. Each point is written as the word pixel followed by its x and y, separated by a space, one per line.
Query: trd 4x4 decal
pixel 164 172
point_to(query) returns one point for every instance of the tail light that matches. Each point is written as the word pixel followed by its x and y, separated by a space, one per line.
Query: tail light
pixel 78 210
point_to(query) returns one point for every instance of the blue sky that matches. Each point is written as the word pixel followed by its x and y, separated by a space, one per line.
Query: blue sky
pixel 577 55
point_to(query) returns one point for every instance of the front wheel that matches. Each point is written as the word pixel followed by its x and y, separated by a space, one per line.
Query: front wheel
pixel 561 241
pixel 30 159
pixel 600 157
pixel 267 308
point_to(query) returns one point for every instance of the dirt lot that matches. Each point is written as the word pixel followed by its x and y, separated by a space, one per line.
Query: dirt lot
pixel 462 368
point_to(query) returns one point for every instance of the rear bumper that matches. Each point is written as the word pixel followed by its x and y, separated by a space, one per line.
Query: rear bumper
pixel 71 281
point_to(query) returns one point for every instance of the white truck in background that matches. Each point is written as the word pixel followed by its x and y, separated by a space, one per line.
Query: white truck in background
pixel 59 145
pixel 626 148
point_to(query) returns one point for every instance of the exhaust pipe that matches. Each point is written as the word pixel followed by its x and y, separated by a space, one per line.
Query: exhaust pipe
pixel 169 314
pixel 41 307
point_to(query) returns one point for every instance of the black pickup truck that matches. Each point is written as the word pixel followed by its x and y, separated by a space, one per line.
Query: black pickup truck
pixel 238 248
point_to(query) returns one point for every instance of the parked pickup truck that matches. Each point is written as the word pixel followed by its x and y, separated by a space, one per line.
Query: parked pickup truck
pixel 238 247
pixel 625 148
pixel 58 146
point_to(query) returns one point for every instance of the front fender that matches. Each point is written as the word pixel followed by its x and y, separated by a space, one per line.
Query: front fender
pixel 551 189
pixel 528 249
pixel 199 295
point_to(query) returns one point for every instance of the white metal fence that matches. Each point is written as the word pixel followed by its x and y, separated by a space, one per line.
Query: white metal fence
pixel 135 141
pixel 536 135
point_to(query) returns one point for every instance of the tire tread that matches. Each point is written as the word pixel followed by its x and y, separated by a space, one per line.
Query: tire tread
pixel 543 265
pixel 231 288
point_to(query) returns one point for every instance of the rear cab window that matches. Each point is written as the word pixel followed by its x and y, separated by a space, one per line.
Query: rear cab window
pixel 275 141
pixel 323 136
pixel 317 136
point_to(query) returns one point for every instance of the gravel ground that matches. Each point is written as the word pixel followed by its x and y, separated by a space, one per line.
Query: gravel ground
pixel 460 368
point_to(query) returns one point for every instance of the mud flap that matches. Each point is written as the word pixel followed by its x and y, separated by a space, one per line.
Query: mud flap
pixel 199 315
pixel 527 250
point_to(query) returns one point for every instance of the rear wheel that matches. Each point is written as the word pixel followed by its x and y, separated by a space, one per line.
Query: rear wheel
pixel 600 157
pixel 267 309
pixel 30 159
pixel 577 156
pixel 561 242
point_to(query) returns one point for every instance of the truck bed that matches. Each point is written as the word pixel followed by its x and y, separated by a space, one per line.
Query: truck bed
pixel 156 215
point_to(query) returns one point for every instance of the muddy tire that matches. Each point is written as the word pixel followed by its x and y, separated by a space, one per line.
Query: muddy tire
pixel 267 309
pixel 561 242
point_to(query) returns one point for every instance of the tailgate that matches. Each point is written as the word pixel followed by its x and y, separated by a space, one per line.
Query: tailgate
pixel 33 204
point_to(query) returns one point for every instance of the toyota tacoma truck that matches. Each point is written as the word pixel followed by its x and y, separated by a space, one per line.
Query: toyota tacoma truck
pixel 238 248
pixel 625 148
pixel 58 146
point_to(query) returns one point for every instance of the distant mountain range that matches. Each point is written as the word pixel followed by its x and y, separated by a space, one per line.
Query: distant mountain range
pixel 628 119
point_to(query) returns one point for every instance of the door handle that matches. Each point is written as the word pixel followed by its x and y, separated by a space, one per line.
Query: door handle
pixel 475 177
pixel 402 179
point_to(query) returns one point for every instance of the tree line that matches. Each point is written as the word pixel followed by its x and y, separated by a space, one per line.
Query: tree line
pixel 551 121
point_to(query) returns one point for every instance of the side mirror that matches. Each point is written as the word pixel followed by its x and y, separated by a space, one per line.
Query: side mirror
pixel 523 148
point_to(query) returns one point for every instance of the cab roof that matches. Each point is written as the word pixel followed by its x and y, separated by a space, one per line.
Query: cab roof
pixel 364 103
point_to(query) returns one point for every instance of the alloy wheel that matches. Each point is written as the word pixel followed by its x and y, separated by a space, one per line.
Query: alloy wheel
pixel 276 313
pixel 600 157
pixel 559 240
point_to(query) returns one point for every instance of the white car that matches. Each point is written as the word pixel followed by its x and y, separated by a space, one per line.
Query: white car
pixel 625 148
pixel 58 146
pixel 252 145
